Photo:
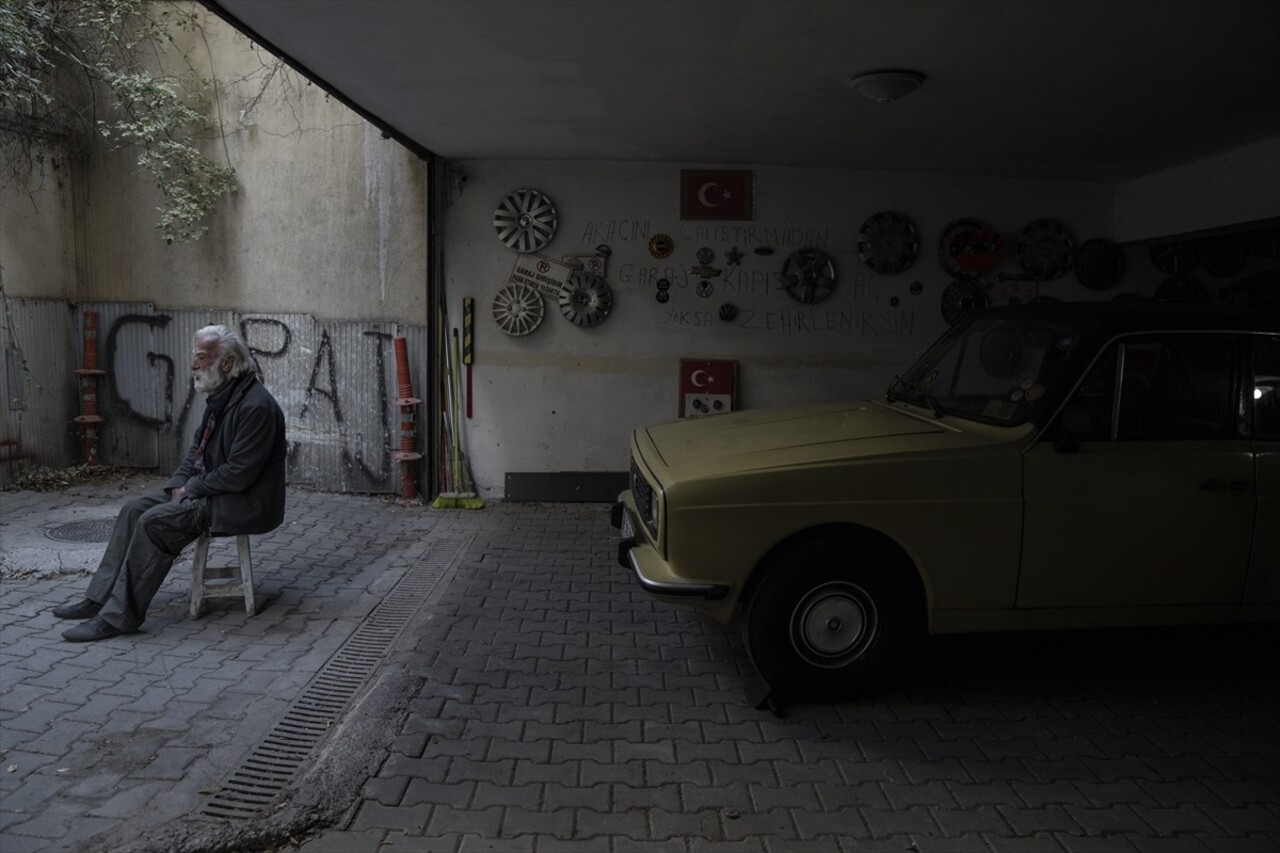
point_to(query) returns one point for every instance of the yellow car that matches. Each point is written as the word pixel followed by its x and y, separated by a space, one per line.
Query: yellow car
pixel 1040 467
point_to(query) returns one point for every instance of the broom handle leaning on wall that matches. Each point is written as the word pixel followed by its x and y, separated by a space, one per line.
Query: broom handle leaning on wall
pixel 453 396
pixel 468 342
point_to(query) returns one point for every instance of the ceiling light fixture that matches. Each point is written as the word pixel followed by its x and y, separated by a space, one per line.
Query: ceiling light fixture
pixel 886 86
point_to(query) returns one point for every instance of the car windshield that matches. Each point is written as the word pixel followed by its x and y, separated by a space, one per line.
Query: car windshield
pixel 996 369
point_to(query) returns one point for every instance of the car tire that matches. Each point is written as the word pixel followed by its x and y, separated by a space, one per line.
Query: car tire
pixel 827 617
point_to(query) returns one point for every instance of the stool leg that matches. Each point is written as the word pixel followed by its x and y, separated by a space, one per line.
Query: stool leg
pixel 198 562
pixel 246 572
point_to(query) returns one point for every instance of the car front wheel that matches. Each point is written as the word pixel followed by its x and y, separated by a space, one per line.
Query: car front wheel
pixel 826 618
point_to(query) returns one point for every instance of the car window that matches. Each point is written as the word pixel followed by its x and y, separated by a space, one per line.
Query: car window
pixel 997 370
pixel 1089 414
pixel 1266 387
pixel 1164 388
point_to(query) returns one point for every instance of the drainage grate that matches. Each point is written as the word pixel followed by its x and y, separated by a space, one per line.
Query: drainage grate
pixel 274 763
pixel 93 530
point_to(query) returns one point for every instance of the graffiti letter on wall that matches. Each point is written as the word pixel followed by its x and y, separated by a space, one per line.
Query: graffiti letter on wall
pixel 384 409
pixel 286 336
pixel 126 407
pixel 356 462
pixel 324 353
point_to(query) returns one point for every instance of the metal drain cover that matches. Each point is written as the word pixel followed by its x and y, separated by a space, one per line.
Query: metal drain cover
pixel 93 530
pixel 251 789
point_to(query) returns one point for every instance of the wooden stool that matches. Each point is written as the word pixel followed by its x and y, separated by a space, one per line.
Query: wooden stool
pixel 221 582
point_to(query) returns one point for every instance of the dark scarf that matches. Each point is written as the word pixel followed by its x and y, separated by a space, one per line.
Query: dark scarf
pixel 213 406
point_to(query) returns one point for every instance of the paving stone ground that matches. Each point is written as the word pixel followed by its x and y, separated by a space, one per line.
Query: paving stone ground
pixel 555 707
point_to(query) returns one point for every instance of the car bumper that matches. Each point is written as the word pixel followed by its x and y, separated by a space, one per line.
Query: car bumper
pixel 651 571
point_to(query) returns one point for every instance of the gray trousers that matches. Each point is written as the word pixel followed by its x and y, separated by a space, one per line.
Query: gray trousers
pixel 149 534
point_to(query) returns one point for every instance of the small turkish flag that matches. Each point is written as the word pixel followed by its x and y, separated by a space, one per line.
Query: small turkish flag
pixel 707 387
pixel 716 194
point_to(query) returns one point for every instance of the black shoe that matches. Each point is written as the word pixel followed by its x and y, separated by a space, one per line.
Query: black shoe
pixel 85 609
pixel 95 629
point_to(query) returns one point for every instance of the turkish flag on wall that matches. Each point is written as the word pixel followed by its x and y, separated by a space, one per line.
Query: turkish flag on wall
pixel 716 194
pixel 707 387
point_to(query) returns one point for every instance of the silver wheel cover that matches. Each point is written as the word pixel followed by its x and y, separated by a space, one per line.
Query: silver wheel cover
pixel 834 625
pixel 518 309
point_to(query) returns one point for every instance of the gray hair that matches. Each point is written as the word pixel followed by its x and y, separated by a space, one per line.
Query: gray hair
pixel 229 344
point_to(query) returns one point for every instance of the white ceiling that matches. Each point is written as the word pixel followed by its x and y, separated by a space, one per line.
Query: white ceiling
pixel 1088 90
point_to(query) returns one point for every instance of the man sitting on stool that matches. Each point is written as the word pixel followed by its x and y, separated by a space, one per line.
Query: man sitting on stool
pixel 232 481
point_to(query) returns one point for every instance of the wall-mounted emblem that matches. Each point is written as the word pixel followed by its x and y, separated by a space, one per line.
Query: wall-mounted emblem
pixel 664 290
pixel 661 246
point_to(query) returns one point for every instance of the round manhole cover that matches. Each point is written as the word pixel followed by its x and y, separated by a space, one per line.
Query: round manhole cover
pixel 93 530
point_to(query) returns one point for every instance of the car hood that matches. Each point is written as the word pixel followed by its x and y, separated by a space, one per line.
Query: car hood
pixel 741 441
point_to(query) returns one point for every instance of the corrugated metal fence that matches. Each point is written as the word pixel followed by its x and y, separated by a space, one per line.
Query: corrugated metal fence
pixel 335 380
pixel 38 397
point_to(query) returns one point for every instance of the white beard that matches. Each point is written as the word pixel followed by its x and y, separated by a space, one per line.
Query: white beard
pixel 208 380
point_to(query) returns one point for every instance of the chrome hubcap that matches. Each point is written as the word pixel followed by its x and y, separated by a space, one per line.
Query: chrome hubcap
pixel 833 625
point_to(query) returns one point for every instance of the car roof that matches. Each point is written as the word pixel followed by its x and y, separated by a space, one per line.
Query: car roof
pixel 1110 318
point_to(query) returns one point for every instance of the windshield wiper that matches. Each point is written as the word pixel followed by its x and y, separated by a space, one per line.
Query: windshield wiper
pixel 888 392
pixel 914 388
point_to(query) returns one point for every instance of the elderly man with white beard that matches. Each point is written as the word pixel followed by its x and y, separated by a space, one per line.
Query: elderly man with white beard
pixel 232 481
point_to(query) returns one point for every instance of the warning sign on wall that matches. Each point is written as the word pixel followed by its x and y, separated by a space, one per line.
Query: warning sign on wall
pixel 707 387
pixel 544 275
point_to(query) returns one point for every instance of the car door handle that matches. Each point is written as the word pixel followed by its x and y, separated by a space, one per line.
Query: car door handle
pixel 1223 486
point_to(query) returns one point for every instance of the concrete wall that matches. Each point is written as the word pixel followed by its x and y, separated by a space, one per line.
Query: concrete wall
pixel 36 236
pixel 329 218
pixel 565 398
pixel 37 277
pixel 323 251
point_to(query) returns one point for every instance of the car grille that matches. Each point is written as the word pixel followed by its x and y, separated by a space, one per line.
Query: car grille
pixel 645 501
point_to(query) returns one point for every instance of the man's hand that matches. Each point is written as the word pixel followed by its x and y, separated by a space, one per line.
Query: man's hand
pixel 177 494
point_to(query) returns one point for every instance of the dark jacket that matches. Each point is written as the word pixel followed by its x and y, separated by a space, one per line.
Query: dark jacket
pixel 244 463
